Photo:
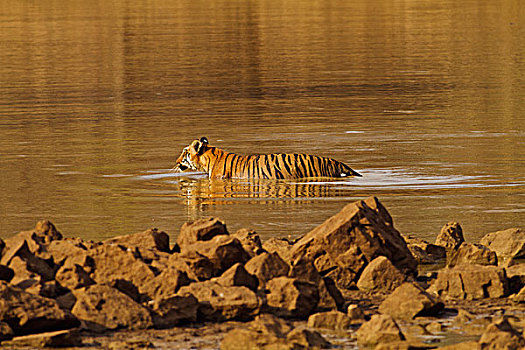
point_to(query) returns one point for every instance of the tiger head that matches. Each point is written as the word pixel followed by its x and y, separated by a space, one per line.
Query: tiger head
pixel 190 156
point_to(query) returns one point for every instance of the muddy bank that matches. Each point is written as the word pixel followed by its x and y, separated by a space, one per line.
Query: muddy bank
pixel 352 282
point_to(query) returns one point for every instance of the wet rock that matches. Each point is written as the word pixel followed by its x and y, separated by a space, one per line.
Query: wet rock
pixel 281 246
pixel 167 283
pixel 380 275
pixel 223 251
pixel 73 276
pixel 56 339
pixel 468 253
pixel 200 230
pixel 409 301
pixel 175 310
pixel 267 266
pixel 220 303
pixel 241 339
pixel 250 240
pixel 471 323
pixel 355 313
pixel 238 276
pixel 131 344
pixel 6 332
pixel 102 307
pixel 331 320
pixel 508 244
pixel 451 236
pixel 307 339
pixel 424 252
pixel 380 329
pixel 6 273
pixel 27 313
pixel 151 239
pixel 470 282
pixel 344 244
pixel 270 324
pixel 469 345
pixel 200 267
pixel 290 297
pixel 501 335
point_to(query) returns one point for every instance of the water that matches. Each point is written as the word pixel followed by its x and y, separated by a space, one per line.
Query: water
pixel 98 98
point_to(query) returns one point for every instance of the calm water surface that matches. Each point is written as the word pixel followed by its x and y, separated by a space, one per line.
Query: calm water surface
pixel 98 98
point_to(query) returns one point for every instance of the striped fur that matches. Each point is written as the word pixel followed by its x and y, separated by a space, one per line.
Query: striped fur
pixel 217 163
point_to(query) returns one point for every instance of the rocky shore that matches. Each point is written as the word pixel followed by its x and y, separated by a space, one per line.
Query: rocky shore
pixel 352 282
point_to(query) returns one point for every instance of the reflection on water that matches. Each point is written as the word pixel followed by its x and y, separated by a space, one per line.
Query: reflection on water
pixel 97 98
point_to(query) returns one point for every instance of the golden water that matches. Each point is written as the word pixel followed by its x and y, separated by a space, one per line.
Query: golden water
pixel 98 98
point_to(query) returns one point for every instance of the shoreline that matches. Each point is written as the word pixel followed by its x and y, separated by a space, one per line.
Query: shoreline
pixel 352 282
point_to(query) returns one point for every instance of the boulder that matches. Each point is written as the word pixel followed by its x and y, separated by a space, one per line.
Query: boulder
pixel 151 239
pixel 73 276
pixel 250 240
pixel 6 273
pixel 424 252
pixel 102 307
pixel 200 230
pixel 508 244
pixel 470 282
pixel 167 283
pixel 409 301
pixel 175 310
pixel 380 275
pixel 290 297
pixel 27 313
pixel 307 339
pixel 355 313
pixel 199 266
pixel 48 289
pixel 266 266
pixel 281 246
pixel 126 287
pixel 451 236
pixel 220 303
pixel 468 253
pixel 516 277
pixel 60 250
pixel 380 329
pixel 501 335
pixel 56 339
pixel 238 276
pixel 343 245
pixel 270 324
pixel 335 320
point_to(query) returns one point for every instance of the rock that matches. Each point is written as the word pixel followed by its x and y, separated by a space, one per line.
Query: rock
pixel 468 253
pixel 308 339
pixel 6 332
pixel 27 313
pixel 380 275
pixel 223 251
pixel 409 301
pixel 2 247
pixel 220 303
pixel 501 335
pixel 267 266
pixel 380 329
pixel 516 277
pixel 290 297
pixel 355 313
pixel 451 236
pixel 56 339
pixel 470 323
pixel 166 284
pixel 519 297
pixel 6 273
pixel 404 345
pixel 470 282
pixel 48 289
pixel 126 287
pixel 102 307
pixel 281 246
pixel 66 301
pixel 342 246
pixel 151 239
pixel 238 276
pixel 270 324
pixel 60 250
pixel 424 252
pixel 469 345
pixel 250 240
pixel 508 244
pixel 175 310
pixel 242 339
pixel 200 267
pixel 28 266
pixel 331 320
pixel 73 276
pixel 200 230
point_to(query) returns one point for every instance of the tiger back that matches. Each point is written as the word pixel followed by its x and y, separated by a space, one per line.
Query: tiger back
pixel 217 163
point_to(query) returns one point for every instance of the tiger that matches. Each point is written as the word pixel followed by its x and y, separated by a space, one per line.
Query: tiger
pixel 219 164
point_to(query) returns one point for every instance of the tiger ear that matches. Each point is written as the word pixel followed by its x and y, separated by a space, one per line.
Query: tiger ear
pixel 204 140
pixel 201 145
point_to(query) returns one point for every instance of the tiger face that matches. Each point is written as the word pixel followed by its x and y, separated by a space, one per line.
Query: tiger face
pixel 190 156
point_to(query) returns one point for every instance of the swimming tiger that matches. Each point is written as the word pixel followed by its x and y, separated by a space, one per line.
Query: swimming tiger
pixel 200 156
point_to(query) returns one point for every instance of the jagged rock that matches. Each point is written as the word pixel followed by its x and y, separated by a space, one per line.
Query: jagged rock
pixel 468 253
pixel 380 275
pixel 66 301
pixel 102 307
pixel 344 244
pixel 200 267
pixel 238 276
pixel 175 310
pixel 126 287
pixel 250 240
pixel 501 335
pixel 48 289
pixel 281 246
pixel 27 313
pixel 516 277
pixel 60 250
pixel 200 230
pixel 508 244
pixel 151 239
pixel 223 251
pixel 290 297
pixel 266 266
pixel 167 283
pixel 380 329
pixel 73 276
pixel 6 273
pixel 307 339
pixel 451 236
pixel 56 339
pixel 424 252
pixel 27 266
pixel 330 320
pixel 409 301
pixel 268 323
pixel 220 303
pixel 470 282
